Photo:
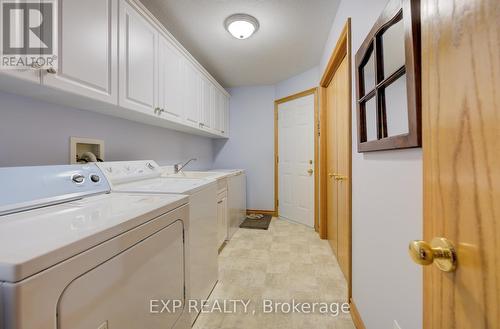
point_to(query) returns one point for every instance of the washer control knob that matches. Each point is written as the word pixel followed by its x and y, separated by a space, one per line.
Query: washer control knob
pixel 95 178
pixel 78 178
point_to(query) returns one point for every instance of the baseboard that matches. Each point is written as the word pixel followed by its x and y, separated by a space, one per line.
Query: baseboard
pixel 356 317
pixel 262 212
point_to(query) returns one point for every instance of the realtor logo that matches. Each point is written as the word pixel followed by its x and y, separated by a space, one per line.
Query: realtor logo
pixel 28 34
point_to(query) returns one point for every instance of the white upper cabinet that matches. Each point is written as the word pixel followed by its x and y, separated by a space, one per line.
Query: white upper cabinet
pixel 225 121
pixel 171 79
pixel 116 58
pixel 87 50
pixel 206 107
pixel 192 94
pixel 138 60
pixel 214 115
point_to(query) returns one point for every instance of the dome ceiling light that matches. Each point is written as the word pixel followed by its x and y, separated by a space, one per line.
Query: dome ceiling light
pixel 241 26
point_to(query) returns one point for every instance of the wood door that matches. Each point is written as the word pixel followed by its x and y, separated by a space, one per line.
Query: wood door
pixel 331 165
pixel 461 143
pixel 339 165
pixel 87 48
pixel 138 60
pixel 296 159
pixel 343 165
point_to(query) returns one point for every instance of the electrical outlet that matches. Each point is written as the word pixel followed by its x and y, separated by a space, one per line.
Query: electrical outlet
pixel 104 325
pixel 396 325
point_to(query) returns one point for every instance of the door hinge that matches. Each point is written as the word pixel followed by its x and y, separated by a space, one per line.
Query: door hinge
pixel 319 129
pixel 277 159
pixel 278 203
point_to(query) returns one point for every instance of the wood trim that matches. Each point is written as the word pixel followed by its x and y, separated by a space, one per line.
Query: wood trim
pixel 312 91
pixel 296 96
pixel 356 316
pixel 261 212
pixel 342 50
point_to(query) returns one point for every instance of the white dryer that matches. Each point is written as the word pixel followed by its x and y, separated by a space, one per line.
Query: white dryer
pixel 146 177
pixel 74 256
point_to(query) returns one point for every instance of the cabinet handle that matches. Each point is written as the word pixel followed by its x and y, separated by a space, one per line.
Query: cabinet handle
pixel 219 202
pixel 157 110
pixel 51 70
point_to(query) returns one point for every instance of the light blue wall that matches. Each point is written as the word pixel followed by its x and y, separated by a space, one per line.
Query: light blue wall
pixel 34 132
pixel 251 146
pixel 300 82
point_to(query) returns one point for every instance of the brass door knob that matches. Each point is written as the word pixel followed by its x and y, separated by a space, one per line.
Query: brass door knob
pixel 310 172
pixel 440 252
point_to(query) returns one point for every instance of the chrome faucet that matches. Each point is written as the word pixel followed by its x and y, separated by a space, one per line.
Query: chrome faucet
pixel 179 166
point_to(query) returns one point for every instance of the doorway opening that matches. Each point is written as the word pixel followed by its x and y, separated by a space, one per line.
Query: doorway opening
pixel 296 158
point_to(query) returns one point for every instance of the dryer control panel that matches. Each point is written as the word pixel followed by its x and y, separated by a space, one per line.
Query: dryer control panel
pixel 120 172
pixel 26 188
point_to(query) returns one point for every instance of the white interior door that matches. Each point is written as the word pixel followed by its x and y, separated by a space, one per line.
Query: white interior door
pixel 296 160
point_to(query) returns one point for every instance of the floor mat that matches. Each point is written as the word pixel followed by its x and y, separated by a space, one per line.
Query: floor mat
pixel 257 224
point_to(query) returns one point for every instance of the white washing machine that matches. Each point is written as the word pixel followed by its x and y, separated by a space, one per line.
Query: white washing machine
pixel 146 177
pixel 73 256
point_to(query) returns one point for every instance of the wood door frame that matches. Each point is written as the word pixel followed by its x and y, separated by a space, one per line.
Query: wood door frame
pixel 312 91
pixel 342 50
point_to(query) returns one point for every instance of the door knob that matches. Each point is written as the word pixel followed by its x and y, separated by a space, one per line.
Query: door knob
pixel 340 177
pixel 310 172
pixel 440 252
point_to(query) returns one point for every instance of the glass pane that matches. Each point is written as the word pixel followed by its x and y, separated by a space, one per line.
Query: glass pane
pixel 371 119
pixel 396 107
pixel 393 45
pixel 369 74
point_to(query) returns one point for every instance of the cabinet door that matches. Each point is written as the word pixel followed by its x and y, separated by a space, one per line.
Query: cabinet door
pixel 87 49
pixel 225 121
pixel 192 94
pixel 206 104
pixel 222 214
pixel 138 60
pixel 214 116
pixel 170 80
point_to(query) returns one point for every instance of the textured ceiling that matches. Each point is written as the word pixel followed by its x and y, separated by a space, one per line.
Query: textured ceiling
pixel 290 39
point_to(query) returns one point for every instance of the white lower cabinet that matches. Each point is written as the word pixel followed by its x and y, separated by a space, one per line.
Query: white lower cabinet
pixel 222 217
pixel 87 49
pixel 138 60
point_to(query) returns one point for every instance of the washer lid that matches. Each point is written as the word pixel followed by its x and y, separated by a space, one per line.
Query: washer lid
pixel 165 185
pixel 35 240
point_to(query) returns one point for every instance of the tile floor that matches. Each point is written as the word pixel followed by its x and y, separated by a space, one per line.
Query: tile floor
pixel 287 262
